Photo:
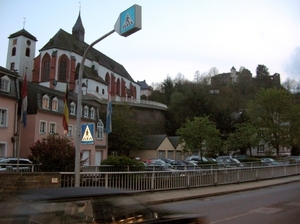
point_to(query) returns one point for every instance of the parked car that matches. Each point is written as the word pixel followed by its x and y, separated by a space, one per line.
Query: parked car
pixel 231 162
pixel 210 159
pixel 269 162
pixel 294 159
pixel 168 160
pixel 84 205
pixel 158 165
pixel 240 156
pixel 10 164
pixel 184 165
pixel 196 158
pixel 220 158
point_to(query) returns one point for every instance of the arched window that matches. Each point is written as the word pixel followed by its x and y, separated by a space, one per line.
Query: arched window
pixel 92 113
pixel 97 89
pixel 100 129
pixel 86 111
pixel 5 84
pixel 72 108
pixel 13 51
pixel 27 52
pixel 45 103
pixel 45 68
pixel 118 87
pixel 62 72
pixel 55 104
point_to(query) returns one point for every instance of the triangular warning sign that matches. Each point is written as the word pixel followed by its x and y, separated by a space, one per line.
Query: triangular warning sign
pixel 87 136
pixel 128 22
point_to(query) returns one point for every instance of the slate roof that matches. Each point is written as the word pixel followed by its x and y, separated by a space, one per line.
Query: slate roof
pixel 36 92
pixel 64 41
pixel 78 25
pixel 90 73
pixel 143 85
pixel 153 141
pixel 24 33
pixel 174 140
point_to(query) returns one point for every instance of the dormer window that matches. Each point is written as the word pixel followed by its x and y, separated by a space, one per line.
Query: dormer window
pixel 100 129
pixel 86 111
pixel 5 84
pixel 45 102
pixel 92 113
pixel 55 104
pixel 72 108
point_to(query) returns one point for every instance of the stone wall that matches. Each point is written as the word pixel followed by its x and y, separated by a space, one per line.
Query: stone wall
pixel 11 182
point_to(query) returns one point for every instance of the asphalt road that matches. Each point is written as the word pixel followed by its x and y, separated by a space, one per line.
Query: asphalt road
pixel 271 205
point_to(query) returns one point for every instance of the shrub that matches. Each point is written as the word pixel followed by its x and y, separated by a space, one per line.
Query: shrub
pixel 123 162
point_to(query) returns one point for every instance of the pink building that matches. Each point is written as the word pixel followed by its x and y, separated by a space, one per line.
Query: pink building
pixel 8 112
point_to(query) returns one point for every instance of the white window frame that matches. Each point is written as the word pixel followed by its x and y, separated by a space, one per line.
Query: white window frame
pixel 45 102
pixel 86 111
pixel 92 112
pixel 72 108
pixel 100 130
pixel 3 117
pixel 52 128
pixel 70 130
pixel 44 124
pixel 5 84
pixel 54 104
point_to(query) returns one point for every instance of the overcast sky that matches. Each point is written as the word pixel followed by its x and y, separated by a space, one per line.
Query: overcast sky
pixel 177 36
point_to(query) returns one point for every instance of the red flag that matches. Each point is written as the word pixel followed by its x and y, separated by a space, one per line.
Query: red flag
pixel 24 102
pixel 65 121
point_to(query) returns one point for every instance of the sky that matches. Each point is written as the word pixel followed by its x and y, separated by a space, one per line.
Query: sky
pixel 177 36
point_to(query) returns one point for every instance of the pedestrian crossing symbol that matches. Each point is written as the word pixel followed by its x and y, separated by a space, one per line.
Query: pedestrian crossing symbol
pixel 87 132
pixel 127 22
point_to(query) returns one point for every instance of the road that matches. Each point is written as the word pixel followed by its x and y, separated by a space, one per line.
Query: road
pixel 276 205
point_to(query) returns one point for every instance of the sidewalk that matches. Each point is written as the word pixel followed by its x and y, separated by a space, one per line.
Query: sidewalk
pixel 185 194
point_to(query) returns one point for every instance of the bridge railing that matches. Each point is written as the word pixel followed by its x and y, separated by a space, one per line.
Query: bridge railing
pixel 176 179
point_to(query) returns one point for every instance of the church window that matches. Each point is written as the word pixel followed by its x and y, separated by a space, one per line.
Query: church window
pixel 45 68
pixel 63 62
pixel 27 53
pixel 13 51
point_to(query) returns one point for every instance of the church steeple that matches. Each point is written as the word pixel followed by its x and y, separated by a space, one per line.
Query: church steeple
pixel 78 29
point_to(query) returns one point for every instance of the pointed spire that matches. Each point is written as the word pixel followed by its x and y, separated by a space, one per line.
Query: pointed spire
pixel 78 29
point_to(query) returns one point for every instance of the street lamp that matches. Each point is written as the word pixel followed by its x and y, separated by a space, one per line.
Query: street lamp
pixel 128 22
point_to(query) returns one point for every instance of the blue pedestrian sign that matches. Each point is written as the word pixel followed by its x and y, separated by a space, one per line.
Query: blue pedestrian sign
pixel 129 21
pixel 87 133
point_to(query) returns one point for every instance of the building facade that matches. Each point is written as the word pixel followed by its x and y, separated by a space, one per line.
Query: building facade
pixel 48 74
pixel 9 95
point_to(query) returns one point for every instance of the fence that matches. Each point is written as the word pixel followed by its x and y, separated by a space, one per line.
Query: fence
pixel 176 179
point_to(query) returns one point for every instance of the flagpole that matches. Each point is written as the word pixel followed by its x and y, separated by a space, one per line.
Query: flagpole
pixel 78 111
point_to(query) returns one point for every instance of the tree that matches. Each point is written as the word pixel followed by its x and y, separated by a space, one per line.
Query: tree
pixel 275 113
pixel 168 89
pixel 262 71
pixel 199 135
pixel 244 138
pixel 55 153
pixel 126 134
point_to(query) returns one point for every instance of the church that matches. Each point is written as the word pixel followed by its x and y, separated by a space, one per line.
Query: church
pixel 48 74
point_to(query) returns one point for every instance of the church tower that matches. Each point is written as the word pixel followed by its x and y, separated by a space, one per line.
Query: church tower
pixel 21 52
pixel 78 29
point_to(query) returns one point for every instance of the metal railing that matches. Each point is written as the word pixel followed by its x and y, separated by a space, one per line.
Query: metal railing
pixel 28 168
pixel 176 179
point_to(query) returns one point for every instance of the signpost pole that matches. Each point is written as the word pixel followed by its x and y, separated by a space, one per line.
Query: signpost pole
pixel 127 23
pixel 78 113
